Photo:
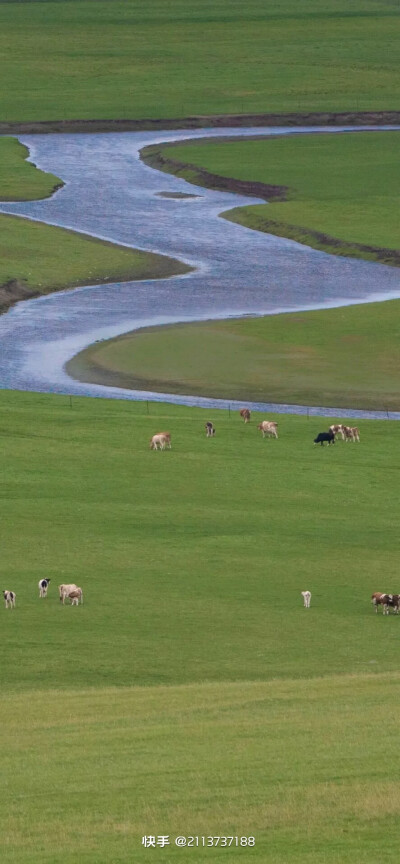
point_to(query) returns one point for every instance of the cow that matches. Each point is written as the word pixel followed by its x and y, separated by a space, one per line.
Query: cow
pixel 246 414
pixel 325 436
pixel 268 427
pixel 351 433
pixel 337 429
pixel 64 590
pixel 387 601
pixel 43 586
pixel 75 596
pixel 161 441
pixel 9 599
pixel 306 595
pixel 210 430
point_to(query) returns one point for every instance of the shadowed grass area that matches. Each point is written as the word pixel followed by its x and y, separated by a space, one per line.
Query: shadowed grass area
pixel 341 190
pixel 69 60
pixel 347 357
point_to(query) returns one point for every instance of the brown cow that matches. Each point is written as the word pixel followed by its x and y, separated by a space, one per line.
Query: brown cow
pixel 246 414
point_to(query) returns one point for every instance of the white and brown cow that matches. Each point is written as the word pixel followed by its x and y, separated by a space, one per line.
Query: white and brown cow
pixel 210 430
pixel 306 595
pixel 387 601
pixel 268 427
pixel 337 429
pixel 9 599
pixel 161 441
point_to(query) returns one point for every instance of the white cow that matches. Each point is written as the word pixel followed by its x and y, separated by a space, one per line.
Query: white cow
pixel 64 591
pixel 9 599
pixel 161 441
pixel 306 595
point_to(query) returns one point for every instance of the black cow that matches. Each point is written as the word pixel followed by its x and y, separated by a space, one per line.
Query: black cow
pixel 325 436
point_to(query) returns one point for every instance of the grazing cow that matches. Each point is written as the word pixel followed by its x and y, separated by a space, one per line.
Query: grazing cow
pixel 324 436
pixel 210 430
pixel 246 414
pixel 337 430
pixel 387 601
pixel 306 595
pixel 160 441
pixel 268 427
pixel 43 586
pixel 75 596
pixel 9 599
pixel 64 590
pixel 351 433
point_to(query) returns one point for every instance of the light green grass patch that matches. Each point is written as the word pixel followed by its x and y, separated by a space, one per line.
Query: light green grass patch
pixel 302 766
pixel 347 357
pixel 192 560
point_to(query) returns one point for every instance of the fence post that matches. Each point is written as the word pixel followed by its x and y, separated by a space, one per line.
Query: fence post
pixel 147 406
pixel 70 401
pixel 229 409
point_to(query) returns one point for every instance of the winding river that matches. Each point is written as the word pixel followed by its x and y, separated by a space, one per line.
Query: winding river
pixel 111 194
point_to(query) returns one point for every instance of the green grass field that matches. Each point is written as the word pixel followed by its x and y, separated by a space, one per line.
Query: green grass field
pixel 344 187
pixel 307 358
pixel 192 693
pixel 37 258
pixel 130 59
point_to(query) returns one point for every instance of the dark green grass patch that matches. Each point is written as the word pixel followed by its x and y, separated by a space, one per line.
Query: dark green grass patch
pixel 191 560
pixel 346 357
pixel 85 60
pixel 341 190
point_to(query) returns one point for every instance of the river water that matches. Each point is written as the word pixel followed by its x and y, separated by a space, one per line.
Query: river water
pixel 111 194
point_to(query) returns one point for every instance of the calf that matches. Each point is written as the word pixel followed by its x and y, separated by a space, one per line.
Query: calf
pixel 9 599
pixel 43 586
pixel 246 414
pixel 64 591
pixel 210 430
pixel 268 427
pixel 306 595
pixel 75 596
pixel 351 433
pixel 325 436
